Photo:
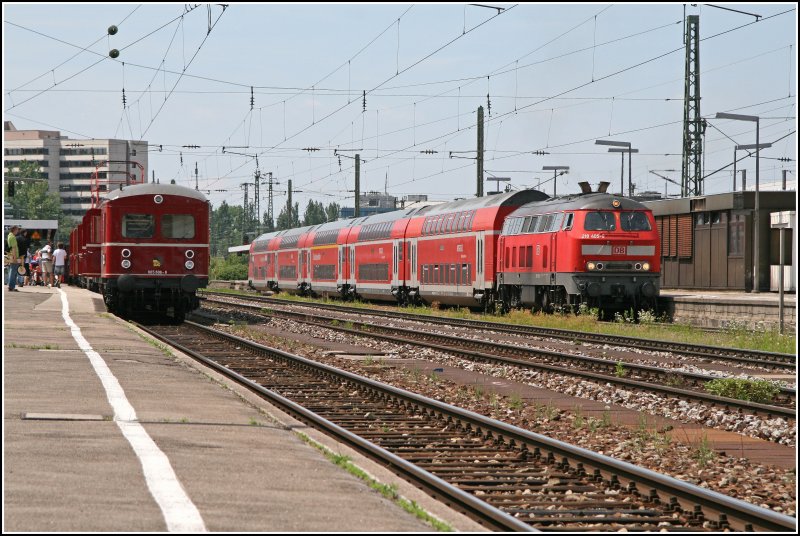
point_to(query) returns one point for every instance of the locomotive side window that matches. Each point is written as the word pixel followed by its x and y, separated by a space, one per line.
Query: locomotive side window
pixel 634 221
pixel 138 225
pixel 599 221
pixel 544 223
pixel 568 222
pixel 177 226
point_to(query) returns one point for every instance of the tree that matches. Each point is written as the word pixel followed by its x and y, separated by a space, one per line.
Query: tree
pixel 286 220
pixel 226 228
pixel 315 214
pixel 34 201
pixel 332 211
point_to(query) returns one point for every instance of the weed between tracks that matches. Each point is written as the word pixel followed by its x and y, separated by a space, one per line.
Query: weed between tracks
pixel 387 490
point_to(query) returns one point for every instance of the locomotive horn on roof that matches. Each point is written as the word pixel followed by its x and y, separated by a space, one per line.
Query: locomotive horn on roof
pixel 586 188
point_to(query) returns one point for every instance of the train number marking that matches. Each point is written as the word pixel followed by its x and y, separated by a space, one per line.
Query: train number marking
pixel 593 235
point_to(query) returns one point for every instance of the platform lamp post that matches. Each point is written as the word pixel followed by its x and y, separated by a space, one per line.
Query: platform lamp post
pixel 622 169
pixel 756 258
pixel 555 170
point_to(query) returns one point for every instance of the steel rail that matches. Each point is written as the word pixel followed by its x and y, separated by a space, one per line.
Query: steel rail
pixel 743 515
pixel 753 407
pixel 754 357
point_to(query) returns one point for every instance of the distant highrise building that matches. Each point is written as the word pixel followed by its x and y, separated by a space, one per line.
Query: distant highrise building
pixel 69 165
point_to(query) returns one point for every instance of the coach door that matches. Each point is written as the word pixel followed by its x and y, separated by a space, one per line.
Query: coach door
pixel 396 258
pixel 352 266
pixel 412 255
pixel 342 264
pixel 480 260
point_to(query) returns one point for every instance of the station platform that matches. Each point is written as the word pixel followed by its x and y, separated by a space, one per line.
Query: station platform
pixel 721 309
pixel 106 431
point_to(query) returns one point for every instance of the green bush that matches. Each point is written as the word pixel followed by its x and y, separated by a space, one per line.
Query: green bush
pixel 231 268
pixel 751 390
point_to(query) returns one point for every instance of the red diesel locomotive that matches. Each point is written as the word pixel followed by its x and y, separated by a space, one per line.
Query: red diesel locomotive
pixel 516 249
pixel 145 249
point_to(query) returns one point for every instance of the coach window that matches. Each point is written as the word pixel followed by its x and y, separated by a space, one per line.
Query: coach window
pixel 177 226
pixel 138 225
pixel 634 221
pixel 599 221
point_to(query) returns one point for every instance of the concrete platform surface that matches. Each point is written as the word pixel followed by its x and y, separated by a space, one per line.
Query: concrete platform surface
pixel 70 466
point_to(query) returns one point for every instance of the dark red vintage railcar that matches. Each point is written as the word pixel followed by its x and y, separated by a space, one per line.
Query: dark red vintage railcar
pixel 146 249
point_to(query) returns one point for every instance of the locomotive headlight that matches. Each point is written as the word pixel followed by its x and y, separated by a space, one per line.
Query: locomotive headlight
pixel 599 265
pixel 646 266
pixel 126 263
pixel 126 253
pixel 189 254
pixel 590 266
pixel 189 265
pixel 637 266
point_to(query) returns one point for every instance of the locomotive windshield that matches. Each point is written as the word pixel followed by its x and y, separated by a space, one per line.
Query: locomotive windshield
pixel 177 226
pixel 138 226
pixel 634 221
pixel 599 221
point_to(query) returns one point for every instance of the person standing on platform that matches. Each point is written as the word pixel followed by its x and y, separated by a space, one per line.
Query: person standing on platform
pixel 13 258
pixel 46 262
pixel 59 263
pixel 23 244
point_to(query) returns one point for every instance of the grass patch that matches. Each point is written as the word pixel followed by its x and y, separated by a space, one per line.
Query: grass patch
pixel 761 391
pixel 703 452
pixel 387 490
pixel 34 346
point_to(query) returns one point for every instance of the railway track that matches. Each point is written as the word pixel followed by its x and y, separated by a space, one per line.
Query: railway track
pixel 772 360
pixel 506 477
pixel 637 377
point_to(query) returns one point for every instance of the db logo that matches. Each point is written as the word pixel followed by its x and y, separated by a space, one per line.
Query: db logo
pixel 619 250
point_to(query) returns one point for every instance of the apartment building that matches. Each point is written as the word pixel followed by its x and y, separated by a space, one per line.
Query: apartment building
pixel 69 165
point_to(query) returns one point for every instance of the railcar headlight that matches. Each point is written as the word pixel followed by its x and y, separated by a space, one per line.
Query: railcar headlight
pixel 189 265
pixel 126 263
pixel 189 254
pixel 590 266
pixel 126 253
pixel 646 266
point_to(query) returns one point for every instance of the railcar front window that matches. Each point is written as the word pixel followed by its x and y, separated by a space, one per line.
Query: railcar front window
pixel 634 221
pixel 138 225
pixel 177 226
pixel 599 221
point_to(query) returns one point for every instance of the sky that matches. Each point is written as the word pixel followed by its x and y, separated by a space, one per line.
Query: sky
pixel 299 89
